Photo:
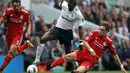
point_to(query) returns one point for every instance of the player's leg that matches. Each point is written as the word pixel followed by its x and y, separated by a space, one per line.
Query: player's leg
pixel 13 51
pixel 46 37
pixel 67 58
pixel 84 67
pixel 7 58
pixel 80 69
pixel 70 65
pixel 17 41
pixel 24 46
pixel 67 41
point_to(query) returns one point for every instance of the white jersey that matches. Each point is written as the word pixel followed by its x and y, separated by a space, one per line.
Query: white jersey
pixel 68 18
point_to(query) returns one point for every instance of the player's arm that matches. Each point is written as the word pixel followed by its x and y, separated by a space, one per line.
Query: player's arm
pixel 80 32
pixel 28 26
pixel 4 16
pixel 116 57
pixel 1 20
pixel 80 23
pixel 62 3
pixel 86 45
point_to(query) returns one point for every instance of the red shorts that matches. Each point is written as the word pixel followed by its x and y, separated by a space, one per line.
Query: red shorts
pixel 14 39
pixel 85 59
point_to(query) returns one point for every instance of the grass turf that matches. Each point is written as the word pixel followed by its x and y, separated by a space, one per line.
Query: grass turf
pixel 92 72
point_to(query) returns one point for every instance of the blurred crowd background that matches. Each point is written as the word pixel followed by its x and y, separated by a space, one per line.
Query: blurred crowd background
pixel 94 11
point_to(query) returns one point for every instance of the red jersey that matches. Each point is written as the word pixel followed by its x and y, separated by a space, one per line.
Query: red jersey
pixel 99 44
pixel 15 21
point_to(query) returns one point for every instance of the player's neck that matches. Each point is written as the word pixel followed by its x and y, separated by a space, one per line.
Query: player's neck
pixel 102 35
pixel 17 11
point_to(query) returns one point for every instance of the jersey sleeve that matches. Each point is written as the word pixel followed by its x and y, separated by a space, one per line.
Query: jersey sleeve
pixel 90 36
pixel 111 48
pixel 64 5
pixel 80 19
pixel 5 14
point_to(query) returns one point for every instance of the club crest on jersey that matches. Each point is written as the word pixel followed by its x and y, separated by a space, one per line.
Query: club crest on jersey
pixel 104 43
pixel 72 15
pixel 11 14
pixel 90 34
pixel 21 17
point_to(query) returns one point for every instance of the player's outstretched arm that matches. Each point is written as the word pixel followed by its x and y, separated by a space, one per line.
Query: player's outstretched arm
pixel 81 37
pixel 80 32
pixel 5 14
pixel 117 59
pixel 86 45
pixel 28 29
pixel 1 20
pixel 29 26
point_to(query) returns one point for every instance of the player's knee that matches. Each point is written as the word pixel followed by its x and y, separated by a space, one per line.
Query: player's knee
pixel 44 39
pixel 12 51
pixel 68 57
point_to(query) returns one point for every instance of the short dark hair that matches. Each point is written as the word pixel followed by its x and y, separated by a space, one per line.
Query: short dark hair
pixel 107 25
pixel 17 1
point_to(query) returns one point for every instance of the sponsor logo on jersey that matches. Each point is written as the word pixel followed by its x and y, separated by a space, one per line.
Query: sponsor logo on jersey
pixel 15 20
pixel 104 43
pixel 21 17
pixel 90 34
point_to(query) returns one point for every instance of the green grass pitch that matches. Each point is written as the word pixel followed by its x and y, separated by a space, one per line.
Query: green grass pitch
pixel 91 72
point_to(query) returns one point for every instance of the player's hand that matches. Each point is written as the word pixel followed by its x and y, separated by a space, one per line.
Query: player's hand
pixel 81 45
pixel 92 52
pixel 123 69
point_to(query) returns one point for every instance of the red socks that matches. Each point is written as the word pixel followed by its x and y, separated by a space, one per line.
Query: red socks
pixel 9 58
pixel 6 62
pixel 58 61
pixel 21 48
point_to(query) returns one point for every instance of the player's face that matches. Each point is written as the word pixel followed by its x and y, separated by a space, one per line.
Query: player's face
pixel 16 6
pixel 71 4
pixel 102 31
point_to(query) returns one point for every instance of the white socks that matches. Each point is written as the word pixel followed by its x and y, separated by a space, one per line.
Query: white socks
pixel 39 50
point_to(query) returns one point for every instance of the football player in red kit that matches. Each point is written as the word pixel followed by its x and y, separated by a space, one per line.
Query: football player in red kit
pixel 94 44
pixel 16 17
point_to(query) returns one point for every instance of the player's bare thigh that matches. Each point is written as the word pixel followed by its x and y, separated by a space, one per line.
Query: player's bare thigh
pixel 71 57
pixel 81 69
pixel 13 50
pixel 46 37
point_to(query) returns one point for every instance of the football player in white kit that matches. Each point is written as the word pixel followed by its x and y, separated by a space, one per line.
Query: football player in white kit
pixel 69 17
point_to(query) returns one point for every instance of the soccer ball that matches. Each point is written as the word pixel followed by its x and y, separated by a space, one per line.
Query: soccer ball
pixel 32 69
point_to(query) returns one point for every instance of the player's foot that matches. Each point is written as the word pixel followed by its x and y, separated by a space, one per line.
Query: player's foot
pixel 29 44
pixel 36 63
pixel 48 65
